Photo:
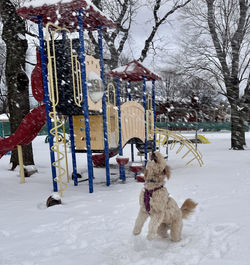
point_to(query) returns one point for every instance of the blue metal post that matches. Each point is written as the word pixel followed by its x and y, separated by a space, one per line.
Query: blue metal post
pixel 46 99
pixel 85 100
pixel 122 169
pixel 132 144
pixel 104 110
pixel 153 103
pixel 73 152
pixel 129 91
pixel 145 119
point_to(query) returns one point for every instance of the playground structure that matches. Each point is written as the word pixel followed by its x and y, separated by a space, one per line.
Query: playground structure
pixel 64 80
pixel 71 83
pixel 134 72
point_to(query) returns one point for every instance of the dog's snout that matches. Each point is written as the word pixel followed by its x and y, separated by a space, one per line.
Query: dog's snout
pixel 153 157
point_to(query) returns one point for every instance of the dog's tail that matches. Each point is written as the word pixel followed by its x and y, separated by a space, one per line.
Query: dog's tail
pixel 187 208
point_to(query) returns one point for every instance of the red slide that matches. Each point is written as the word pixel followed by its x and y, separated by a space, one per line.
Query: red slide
pixel 26 131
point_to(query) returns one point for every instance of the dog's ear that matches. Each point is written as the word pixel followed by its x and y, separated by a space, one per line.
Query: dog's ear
pixel 166 171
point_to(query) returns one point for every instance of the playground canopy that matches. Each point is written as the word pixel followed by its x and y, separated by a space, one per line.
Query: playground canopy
pixel 64 13
pixel 134 71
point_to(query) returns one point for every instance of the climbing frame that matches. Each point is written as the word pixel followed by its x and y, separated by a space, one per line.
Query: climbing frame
pixel 166 137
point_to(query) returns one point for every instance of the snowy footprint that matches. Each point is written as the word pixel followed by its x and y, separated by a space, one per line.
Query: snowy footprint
pixel 198 244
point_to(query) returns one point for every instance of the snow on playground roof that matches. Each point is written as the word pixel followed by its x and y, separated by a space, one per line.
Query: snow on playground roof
pixel 134 71
pixel 64 13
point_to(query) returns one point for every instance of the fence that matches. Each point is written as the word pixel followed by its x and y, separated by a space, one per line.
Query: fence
pixel 205 126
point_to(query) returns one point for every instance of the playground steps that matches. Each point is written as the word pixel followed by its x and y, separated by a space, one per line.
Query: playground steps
pixel 203 139
pixel 99 159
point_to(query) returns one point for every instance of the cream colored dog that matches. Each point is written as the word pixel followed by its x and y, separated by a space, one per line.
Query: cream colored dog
pixel 156 203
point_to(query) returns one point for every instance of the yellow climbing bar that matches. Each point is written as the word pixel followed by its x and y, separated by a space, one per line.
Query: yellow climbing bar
pixel 54 98
pixel 173 138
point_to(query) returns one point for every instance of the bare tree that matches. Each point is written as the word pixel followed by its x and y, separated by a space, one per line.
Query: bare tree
pixel 187 92
pixel 13 34
pixel 123 14
pixel 160 19
pixel 218 46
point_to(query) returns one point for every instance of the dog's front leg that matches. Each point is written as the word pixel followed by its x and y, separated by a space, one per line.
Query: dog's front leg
pixel 154 224
pixel 140 220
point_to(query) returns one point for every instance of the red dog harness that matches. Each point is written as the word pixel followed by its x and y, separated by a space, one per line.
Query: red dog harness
pixel 147 195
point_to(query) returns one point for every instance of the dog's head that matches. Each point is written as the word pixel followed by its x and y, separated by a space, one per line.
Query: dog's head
pixel 156 169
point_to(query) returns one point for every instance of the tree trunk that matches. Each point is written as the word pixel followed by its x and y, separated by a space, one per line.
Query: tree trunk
pixel 237 129
pixel 237 113
pixel 221 36
pixel 16 79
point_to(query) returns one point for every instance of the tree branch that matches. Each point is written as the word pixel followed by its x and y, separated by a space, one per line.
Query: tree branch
pixel 158 22
pixel 220 53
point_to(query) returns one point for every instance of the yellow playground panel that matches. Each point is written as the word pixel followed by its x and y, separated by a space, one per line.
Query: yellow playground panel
pixel 132 126
pixel 96 131
pixel 132 122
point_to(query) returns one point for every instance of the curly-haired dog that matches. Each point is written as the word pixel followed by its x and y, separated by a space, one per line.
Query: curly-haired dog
pixel 156 203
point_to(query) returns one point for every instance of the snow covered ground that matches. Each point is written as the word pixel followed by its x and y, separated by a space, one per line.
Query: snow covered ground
pixel 96 228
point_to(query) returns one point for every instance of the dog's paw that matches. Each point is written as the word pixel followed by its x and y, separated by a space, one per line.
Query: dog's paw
pixel 136 231
pixel 150 237
pixel 176 239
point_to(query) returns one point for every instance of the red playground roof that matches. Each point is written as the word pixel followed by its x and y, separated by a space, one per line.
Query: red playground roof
pixel 134 71
pixel 64 13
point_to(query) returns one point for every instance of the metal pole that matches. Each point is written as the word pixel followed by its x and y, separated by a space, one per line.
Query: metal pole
pixel 85 100
pixel 132 143
pixel 153 103
pixel 196 128
pixel 145 119
pixel 46 99
pixel 122 169
pixel 104 108
pixel 129 91
pixel 73 152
